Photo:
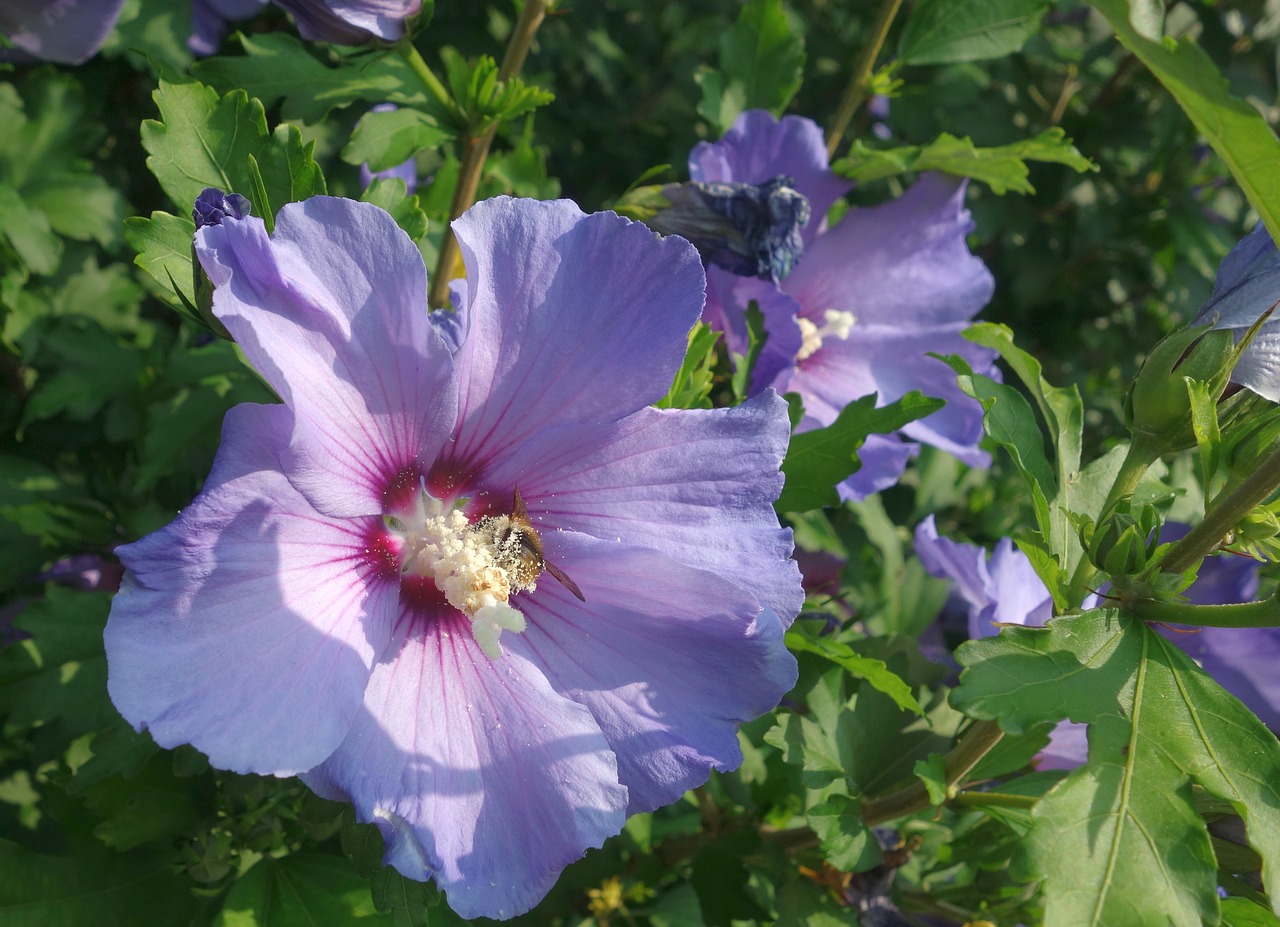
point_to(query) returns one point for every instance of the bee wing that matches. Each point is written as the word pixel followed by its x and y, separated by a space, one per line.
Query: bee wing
pixel 518 510
pixel 564 580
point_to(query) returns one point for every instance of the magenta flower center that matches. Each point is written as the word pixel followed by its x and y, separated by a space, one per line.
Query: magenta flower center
pixel 477 567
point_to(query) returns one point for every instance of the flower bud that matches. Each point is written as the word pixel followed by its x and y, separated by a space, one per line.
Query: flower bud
pixel 212 207
pixel 1122 543
pixel 1158 408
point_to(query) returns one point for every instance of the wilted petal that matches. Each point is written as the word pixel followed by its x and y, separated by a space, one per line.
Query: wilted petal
pixel 759 147
pixel 669 660
pixel 556 308
pixel 66 31
pixel 248 626
pixel 902 264
pixel 698 485
pixel 479 775
pixel 351 22
pixel 331 310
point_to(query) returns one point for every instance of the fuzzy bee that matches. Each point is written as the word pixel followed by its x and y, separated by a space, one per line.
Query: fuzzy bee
pixel 518 548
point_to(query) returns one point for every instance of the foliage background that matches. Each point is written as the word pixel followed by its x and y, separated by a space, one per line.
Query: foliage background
pixel 113 402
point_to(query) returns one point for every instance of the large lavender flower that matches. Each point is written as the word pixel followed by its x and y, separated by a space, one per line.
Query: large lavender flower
pixel 67 31
pixel 1005 589
pixel 1248 284
pixel 868 299
pixel 351 22
pixel 357 594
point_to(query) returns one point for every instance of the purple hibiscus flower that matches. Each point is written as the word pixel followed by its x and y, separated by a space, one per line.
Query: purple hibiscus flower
pixel 1005 589
pixel 867 301
pixel 1248 284
pixel 358 595
pixel 66 31
pixel 351 22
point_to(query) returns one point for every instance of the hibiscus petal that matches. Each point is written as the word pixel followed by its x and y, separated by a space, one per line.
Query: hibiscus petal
pixel 883 458
pixel 668 658
pixel 478 774
pixel 903 263
pixel 67 31
pixel 248 626
pixel 331 310
pixel 351 22
pixel 891 362
pixel 728 297
pixel 558 302
pixel 759 147
pixel 698 485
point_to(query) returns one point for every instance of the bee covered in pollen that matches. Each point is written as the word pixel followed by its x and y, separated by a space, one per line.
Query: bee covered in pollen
pixel 517 548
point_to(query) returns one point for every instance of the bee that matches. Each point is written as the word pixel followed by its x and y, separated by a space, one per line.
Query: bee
pixel 518 548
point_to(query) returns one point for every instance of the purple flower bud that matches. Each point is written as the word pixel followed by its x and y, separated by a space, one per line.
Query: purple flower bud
pixel 749 229
pixel 212 206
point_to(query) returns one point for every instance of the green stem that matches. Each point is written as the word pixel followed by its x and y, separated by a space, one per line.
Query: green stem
pixel 1227 511
pixel 475 149
pixel 994 799
pixel 856 92
pixel 429 80
pixel 976 743
pixel 1264 614
pixel 1142 454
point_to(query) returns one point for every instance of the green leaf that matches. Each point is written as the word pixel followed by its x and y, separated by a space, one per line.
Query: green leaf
pixel 58 674
pixel 385 140
pixel 389 194
pixel 163 243
pixel 203 140
pixel 942 31
pixel 743 367
pixel 27 232
pixel 278 67
pixel 1002 168
pixel 764 55
pixel 818 461
pixel 81 206
pixel 1238 132
pixel 405 899
pixel 1119 841
pixel 874 672
pixel 152 806
pixel 483 98
pixel 691 388
pixel 1204 423
pixel 299 890
pixel 719 104
pixel 107 889
pixel 1241 912
pixel 932 771
pixel 847 843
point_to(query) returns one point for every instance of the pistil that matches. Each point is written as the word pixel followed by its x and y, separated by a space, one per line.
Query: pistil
pixel 838 324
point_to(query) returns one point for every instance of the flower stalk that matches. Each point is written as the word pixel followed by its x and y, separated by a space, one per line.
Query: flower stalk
pixel 475 150
pixel 406 49
pixel 976 743
pixel 856 92
pixel 1222 517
